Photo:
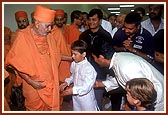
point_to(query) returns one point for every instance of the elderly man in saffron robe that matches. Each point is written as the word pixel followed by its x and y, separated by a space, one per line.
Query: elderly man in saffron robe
pixel 35 56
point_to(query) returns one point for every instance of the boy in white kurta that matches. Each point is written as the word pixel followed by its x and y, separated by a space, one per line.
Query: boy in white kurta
pixel 83 78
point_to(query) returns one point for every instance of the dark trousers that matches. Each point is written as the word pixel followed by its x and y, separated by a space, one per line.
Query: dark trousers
pixel 159 67
pixel 99 96
pixel 116 98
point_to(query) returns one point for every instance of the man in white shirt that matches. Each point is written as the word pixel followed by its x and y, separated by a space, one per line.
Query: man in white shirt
pixel 155 25
pixel 155 21
pixel 127 66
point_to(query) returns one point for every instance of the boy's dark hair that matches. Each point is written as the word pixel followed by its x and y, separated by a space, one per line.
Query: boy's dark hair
pixel 79 45
pixel 96 11
pixel 133 18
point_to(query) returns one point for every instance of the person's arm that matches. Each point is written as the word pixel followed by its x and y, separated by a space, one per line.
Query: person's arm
pixel 63 86
pixel 139 53
pixel 66 87
pixel 66 58
pixel 121 48
pixel 129 47
pixel 109 84
pixel 67 91
pixel 36 84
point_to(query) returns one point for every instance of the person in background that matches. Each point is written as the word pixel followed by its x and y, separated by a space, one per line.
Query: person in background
pixel 134 38
pixel 141 11
pixel 85 20
pixel 64 67
pixel 73 33
pixel 85 24
pixel 112 19
pixel 155 22
pixel 59 18
pixel 127 66
pixel 106 26
pixel 83 78
pixel 65 18
pixel 35 57
pixel 22 21
pixel 155 25
pixel 141 94
pixel 59 23
pixel 159 50
pixel 119 23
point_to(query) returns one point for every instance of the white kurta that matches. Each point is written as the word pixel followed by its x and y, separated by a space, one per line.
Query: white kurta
pixel 83 76
pixel 128 66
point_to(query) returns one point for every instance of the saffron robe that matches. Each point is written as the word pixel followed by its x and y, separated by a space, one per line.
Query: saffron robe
pixel 25 57
pixel 64 67
pixel 72 33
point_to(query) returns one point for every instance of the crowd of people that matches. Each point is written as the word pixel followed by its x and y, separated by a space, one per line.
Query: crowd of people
pixel 48 61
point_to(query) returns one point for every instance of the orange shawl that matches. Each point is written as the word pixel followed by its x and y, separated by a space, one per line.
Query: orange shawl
pixel 25 57
pixel 64 67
